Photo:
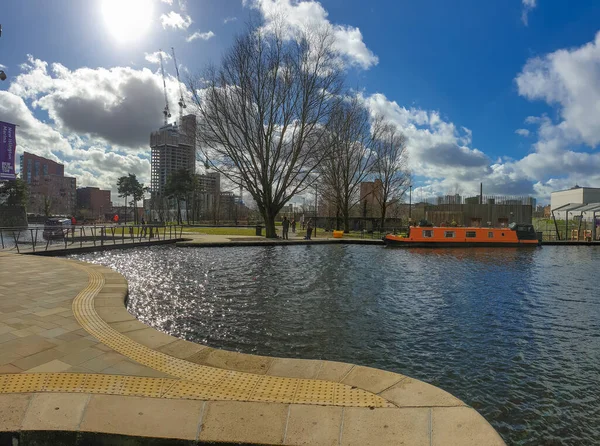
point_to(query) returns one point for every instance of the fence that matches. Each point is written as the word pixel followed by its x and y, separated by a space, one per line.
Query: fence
pixel 43 239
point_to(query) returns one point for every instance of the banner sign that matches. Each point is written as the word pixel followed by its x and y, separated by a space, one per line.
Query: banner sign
pixel 8 146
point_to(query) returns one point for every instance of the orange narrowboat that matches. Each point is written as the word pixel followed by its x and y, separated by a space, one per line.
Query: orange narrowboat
pixel 516 235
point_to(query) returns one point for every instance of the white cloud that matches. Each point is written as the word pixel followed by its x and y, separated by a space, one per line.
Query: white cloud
pixel 296 15
pixel 523 132
pixel 198 35
pixel 155 56
pixel 437 149
pixel 569 80
pixel 3 67
pixel 528 6
pixel 119 105
pixel 94 166
pixel 441 154
pixel 168 2
pixel 175 21
pixel 229 19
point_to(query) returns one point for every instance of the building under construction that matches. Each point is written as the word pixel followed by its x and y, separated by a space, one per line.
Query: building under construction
pixel 173 149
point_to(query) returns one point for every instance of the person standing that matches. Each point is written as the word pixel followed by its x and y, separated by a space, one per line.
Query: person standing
pixel 286 227
pixel 309 229
pixel 144 228
pixel 293 226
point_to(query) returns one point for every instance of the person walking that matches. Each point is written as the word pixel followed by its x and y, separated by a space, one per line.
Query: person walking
pixel 309 229
pixel 286 227
pixel 293 226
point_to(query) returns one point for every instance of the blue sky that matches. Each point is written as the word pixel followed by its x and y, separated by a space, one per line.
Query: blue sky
pixel 503 92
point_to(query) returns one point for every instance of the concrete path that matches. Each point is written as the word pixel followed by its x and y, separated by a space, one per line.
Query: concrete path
pixel 74 362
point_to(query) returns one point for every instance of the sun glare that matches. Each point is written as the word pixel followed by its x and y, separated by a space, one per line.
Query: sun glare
pixel 127 20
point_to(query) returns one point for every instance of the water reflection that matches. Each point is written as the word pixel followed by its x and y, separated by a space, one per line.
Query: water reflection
pixel 515 333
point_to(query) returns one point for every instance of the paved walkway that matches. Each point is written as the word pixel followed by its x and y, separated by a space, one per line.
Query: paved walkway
pixel 72 359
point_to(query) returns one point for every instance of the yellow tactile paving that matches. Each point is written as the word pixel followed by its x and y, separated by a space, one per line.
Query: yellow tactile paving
pixel 198 381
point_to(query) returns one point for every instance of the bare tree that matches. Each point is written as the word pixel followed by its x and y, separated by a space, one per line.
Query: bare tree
pixel 392 177
pixel 263 112
pixel 351 159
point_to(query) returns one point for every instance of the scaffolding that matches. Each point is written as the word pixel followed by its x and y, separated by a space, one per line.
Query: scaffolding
pixel 582 208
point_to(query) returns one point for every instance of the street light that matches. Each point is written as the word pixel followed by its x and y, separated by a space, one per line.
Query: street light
pixel 2 73
pixel 409 203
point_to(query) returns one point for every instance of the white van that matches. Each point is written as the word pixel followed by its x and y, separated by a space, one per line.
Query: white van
pixel 57 228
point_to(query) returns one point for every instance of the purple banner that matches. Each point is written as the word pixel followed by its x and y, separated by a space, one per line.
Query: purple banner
pixel 8 146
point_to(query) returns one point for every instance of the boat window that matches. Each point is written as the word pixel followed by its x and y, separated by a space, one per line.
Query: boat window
pixel 490 234
pixel 503 234
pixel 427 234
pixel 449 234
pixel 471 234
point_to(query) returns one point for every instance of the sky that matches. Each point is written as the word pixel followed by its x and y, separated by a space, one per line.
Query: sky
pixel 500 92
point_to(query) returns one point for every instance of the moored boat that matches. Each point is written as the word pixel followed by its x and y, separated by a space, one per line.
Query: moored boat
pixel 516 235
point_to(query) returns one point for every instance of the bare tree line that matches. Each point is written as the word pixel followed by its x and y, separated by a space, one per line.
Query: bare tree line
pixel 275 119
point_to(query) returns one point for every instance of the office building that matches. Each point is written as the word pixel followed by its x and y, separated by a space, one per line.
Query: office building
pixel 50 191
pixel 94 201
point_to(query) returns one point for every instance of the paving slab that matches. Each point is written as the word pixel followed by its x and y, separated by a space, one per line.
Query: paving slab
pixel 261 423
pixel 12 411
pixel 462 426
pixel 386 427
pixel 294 368
pixel 55 412
pixel 373 380
pixel 412 392
pixel 146 417
pixel 318 426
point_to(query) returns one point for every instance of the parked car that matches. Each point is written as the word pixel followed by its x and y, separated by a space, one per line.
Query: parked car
pixel 56 228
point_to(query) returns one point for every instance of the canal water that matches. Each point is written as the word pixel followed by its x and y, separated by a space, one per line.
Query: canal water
pixel 515 333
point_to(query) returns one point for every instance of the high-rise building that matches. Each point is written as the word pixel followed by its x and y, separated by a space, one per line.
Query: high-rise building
pixel 210 190
pixel 94 200
pixel 50 192
pixel 173 149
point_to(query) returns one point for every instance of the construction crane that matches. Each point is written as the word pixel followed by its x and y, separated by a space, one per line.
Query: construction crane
pixel 166 111
pixel 181 100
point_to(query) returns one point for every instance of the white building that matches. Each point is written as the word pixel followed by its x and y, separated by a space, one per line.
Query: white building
pixel 575 195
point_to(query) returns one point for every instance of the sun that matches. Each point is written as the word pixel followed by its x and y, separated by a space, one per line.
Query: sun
pixel 127 20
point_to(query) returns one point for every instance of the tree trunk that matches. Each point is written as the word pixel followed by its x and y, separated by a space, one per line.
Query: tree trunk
pixel 178 212
pixel 383 211
pixel 346 221
pixel 269 217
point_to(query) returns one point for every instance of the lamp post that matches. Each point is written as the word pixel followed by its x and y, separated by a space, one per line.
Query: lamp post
pixel 409 203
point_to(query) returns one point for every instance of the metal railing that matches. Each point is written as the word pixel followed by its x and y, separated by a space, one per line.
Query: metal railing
pixel 46 238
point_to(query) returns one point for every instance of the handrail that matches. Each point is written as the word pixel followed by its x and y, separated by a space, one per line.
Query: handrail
pixel 38 239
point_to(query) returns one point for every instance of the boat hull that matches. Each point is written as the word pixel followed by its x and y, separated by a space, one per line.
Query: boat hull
pixel 414 244
pixel 516 236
